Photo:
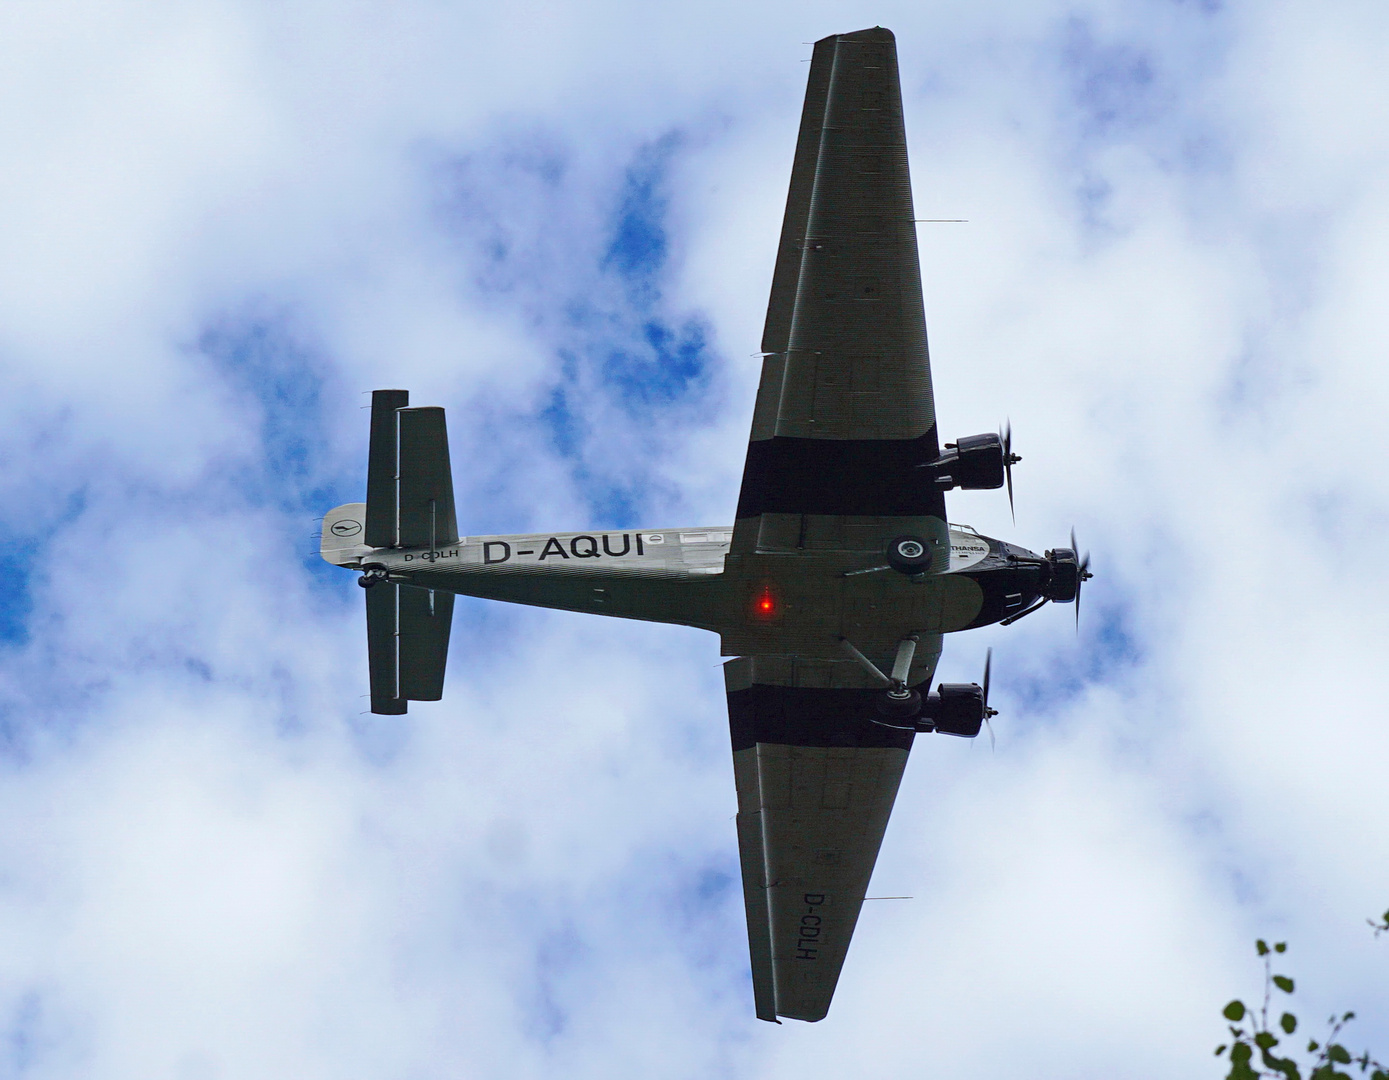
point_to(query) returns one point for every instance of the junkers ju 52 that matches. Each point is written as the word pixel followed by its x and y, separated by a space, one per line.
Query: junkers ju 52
pixel 834 585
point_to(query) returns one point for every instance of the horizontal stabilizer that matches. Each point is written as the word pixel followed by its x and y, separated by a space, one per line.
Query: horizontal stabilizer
pixel 409 504
pixel 407 644
pixel 409 480
pixel 425 493
pixel 382 457
pixel 425 618
pixel 383 648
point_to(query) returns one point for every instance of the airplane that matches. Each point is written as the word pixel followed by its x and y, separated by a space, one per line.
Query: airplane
pixel 834 585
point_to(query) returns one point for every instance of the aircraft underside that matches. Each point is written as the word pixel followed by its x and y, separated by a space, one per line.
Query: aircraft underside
pixel 802 602
pixel 838 578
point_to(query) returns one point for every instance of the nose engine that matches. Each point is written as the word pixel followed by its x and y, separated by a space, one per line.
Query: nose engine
pixel 1063 575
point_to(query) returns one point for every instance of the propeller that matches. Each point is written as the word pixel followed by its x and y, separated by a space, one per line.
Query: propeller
pixel 1010 459
pixel 988 712
pixel 1082 574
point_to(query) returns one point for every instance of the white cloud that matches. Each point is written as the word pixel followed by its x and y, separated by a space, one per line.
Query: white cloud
pixel 213 865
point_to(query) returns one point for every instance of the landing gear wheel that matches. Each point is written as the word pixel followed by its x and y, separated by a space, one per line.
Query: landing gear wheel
pixel 371 574
pixel 899 708
pixel 909 555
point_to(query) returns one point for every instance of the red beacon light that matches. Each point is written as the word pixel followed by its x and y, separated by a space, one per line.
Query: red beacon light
pixel 764 604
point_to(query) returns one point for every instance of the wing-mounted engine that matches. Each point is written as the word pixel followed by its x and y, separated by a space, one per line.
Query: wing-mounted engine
pixel 977 463
pixel 950 709
pixel 955 709
pixel 974 463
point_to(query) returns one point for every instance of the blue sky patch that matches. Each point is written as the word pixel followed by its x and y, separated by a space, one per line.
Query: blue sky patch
pixel 259 356
pixel 590 286
pixel 639 244
pixel 16 602
pixel 1113 86
pixel 22 1039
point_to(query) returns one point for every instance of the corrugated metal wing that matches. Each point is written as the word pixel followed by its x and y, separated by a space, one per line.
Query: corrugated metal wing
pixel 816 782
pixel 845 410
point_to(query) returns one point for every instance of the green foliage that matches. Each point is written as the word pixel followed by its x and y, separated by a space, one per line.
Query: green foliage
pixel 1253 1048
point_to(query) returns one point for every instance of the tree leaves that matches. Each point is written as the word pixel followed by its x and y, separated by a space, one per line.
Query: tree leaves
pixel 1260 1035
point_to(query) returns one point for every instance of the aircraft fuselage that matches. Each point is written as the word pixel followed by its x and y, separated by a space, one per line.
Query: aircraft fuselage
pixel 797 602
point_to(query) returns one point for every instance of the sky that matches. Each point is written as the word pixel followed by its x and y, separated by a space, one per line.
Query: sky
pixel 225 222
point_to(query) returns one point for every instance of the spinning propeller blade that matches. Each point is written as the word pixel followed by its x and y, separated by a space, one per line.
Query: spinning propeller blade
pixel 988 712
pixel 1010 459
pixel 1082 574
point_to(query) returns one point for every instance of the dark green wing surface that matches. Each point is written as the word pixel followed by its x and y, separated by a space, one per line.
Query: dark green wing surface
pixel 816 783
pixel 844 416
pixel 844 410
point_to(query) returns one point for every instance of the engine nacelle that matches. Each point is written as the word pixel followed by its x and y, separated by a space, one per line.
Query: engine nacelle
pixel 974 463
pixel 1063 576
pixel 954 709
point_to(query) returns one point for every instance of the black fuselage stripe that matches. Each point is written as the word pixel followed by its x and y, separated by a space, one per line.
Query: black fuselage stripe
pixel 862 477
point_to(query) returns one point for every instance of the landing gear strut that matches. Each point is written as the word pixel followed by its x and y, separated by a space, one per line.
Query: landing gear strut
pixel 371 575
pixel 903 704
pixel 952 709
pixel 899 702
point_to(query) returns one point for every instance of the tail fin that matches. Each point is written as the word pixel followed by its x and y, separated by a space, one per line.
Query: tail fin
pixel 409 504
pixel 342 534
